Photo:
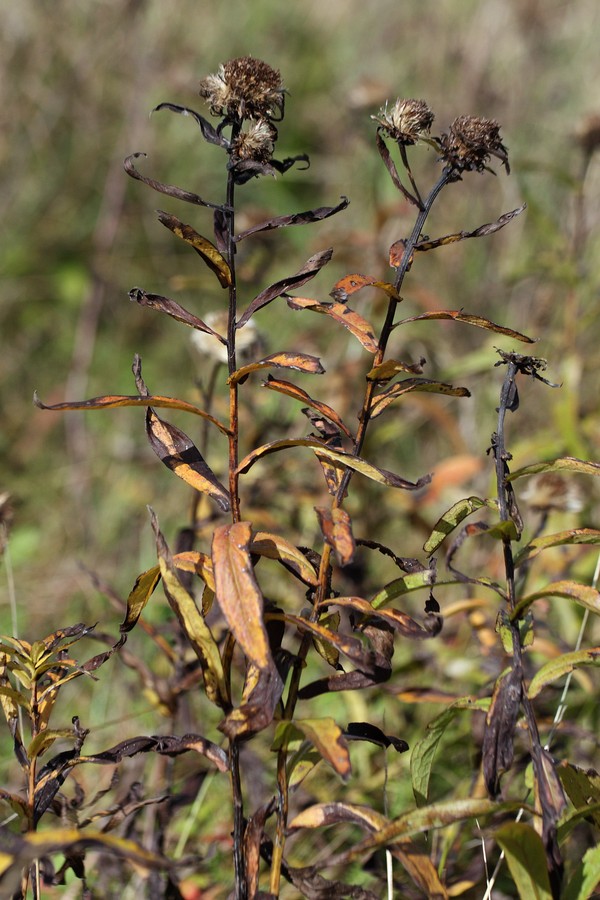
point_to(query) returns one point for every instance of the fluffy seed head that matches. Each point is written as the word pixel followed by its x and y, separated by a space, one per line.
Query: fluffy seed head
pixel 256 143
pixel 406 121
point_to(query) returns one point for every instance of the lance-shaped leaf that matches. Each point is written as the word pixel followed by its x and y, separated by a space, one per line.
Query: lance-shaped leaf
pixel 391 367
pixel 320 815
pixel 292 390
pixel 489 228
pixel 301 218
pixel 365 659
pixel 583 594
pixel 501 720
pixel 275 547
pixel 562 464
pixel 166 744
pixel 457 315
pixel 203 247
pixel 209 133
pixel 382 400
pixel 144 587
pixel 356 325
pixel 364 731
pixel 585 877
pixel 175 449
pixel 336 528
pixel 572 536
pixel 192 622
pixel 561 666
pixel 238 593
pixel 113 401
pixel 302 362
pixel 392 170
pixel 326 736
pixel 398 620
pixel 583 789
pixel 170 190
pixel 310 268
pixel 173 309
pixel 446 524
pixel 526 858
pixel 338 458
pixel 262 692
pixel 410 582
pixel 198 563
pixel 350 284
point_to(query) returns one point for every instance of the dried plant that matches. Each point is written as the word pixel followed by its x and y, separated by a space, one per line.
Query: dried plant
pixel 252 650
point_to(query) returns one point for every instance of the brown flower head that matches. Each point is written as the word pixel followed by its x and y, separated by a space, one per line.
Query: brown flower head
pixel 406 121
pixel 256 143
pixel 244 88
pixel 469 143
pixel 550 491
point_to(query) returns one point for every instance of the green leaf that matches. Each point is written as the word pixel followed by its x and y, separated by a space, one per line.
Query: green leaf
pixel 561 464
pixel 403 585
pixel 583 594
pixel 139 595
pixel 560 666
pixel 585 878
pixel 572 536
pixel 453 517
pixel 526 860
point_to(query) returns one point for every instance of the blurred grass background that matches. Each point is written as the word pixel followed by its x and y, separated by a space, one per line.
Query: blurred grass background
pixel 78 82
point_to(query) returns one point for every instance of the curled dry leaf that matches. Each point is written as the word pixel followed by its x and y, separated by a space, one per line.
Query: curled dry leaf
pixel 324 734
pixel 356 325
pixel 457 315
pixel 501 720
pixel 382 400
pixel 302 218
pixel 482 231
pixel 350 284
pixel 275 547
pixel 398 620
pixel 302 362
pixel 203 247
pixel 170 190
pixel 336 528
pixel 292 390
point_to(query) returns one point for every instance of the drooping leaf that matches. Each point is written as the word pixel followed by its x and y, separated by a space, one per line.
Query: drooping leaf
pixel 364 731
pixel 170 190
pixel 203 247
pixel 320 815
pixel 326 736
pixel 356 324
pixel 561 666
pixel 275 547
pixel 198 563
pixel 302 218
pixel 253 839
pixel 583 594
pixel 571 536
pixel 292 390
pixel 400 586
pixel 561 464
pixel 192 622
pixel 526 858
pixel 302 362
pixel 489 228
pixel 398 620
pixel 365 659
pixel 453 517
pixel 209 133
pixel 392 170
pixel 337 457
pixel 391 367
pixel 166 744
pixel 408 385
pixel 336 528
pixel 350 284
pixel 112 401
pixel 173 309
pixel 175 449
pixel 583 789
pixel 139 595
pixel 262 692
pixel 310 268
pixel 501 720
pixel 457 315
pixel 238 593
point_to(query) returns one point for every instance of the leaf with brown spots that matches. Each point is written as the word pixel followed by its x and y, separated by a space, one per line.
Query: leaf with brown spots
pixel 336 528
pixel 203 247
pixel 292 390
pixel 356 325
pixel 302 362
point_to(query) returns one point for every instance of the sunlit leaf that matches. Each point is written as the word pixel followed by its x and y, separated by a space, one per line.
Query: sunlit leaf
pixel 336 528
pixel 302 362
pixel 560 666
pixel 356 324
pixel 310 268
pixel 382 400
pixel 458 315
pixel 391 367
pixel 585 878
pixel 203 247
pixel 238 593
pixel 398 620
pixel 338 457
pixel 325 735
pixel 572 536
pixel 364 658
pixel 292 390
pixel 275 547
pixel 453 517
pixel 411 582
pixel 178 452
pixel 262 692
pixel 483 230
pixel 139 595
pixel 349 284
pixel 526 858
pixel 302 218
pixel 562 464
pixel 196 562
pixel 583 594
pixel 323 814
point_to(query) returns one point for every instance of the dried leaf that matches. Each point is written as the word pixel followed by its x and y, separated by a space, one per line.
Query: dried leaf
pixel 173 309
pixel 392 170
pixel 238 593
pixel 262 692
pixel 562 464
pixel 175 449
pixel 356 325
pixel 391 367
pixel 382 400
pixel 501 720
pixel 292 390
pixel 349 284
pixel 365 659
pixel 166 744
pixel 302 362
pixel 320 815
pixel 170 190
pixel 302 218
pixel 336 528
pixel 572 536
pixel 198 563
pixel 489 228
pixel 310 268
pixel 275 547
pixel 399 621
pixel 144 587
pixel 203 247
pixel 364 731
pixel 458 315
pixel 209 133
pixel 326 736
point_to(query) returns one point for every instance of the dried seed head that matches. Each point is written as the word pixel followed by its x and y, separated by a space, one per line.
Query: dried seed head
pixel 256 143
pixel 550 491
pixel 248 341
pixel 244 88
pixel 588 134
pixel 406 121
pixel 469 143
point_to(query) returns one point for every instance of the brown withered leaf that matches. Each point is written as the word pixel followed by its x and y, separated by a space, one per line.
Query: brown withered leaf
pixel 483 230
pixel 391 367
pixel 209 133
pixel 292 390
pixel 398 620
pixel 500 723
pixel 356 324
pixel 262 692
pixel 350 284
pixel 397 251
pixel 275 547
pixel 170 190
pixel 364 731
pixel 238 593
pixel 336 528
pixel 253 838
pixel 457 315
pixel 142 590
pixel 382 400
pixel 166 744
pixel 310 268
pixel 302 218
pixel 392 170
pixel 302 362
pixel 198 563
pixel 550 800
pixel 203 247
pixel 327 737
pixel 175 449
pixel 311 884
pixel 173 309
pixel 366 659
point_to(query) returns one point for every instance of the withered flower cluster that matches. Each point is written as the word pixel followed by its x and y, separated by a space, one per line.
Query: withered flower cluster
pixel 469 143
pixel 407 121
